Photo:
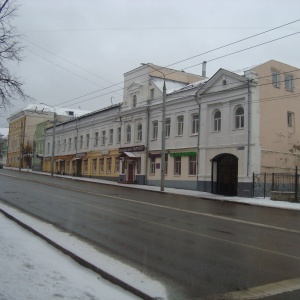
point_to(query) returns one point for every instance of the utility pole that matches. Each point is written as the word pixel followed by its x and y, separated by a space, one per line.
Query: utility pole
pixel 53 144
pixel 163 133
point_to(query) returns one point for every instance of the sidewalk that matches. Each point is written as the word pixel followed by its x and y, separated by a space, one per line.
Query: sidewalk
pixel 252 201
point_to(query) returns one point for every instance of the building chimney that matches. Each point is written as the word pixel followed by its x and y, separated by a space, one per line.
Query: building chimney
pixel 204 69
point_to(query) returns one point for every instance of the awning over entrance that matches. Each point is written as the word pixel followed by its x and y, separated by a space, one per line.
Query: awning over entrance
pixel 127 154
pixel 58 160
pixel 76 158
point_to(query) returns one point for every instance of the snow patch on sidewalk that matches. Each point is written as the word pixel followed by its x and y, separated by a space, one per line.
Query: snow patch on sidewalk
pixel 125 273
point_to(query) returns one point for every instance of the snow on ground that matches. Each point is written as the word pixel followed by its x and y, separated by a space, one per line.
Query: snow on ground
pixel 32 269
pixel 55 275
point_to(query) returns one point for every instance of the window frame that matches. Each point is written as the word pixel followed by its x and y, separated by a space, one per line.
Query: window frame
pixel 128 134
pixel 239 118
pixel 192 165
pixel 217 121
pixel 168 127
pixel 180 124
pixel 195 123
pixel 177 165
pixel 103 138
pixel 276 79
pixel 289 82
pixel 111 136
pixel 155 130
pixel 139 132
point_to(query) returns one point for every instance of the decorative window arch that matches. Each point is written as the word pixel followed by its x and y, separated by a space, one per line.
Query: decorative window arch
pixel 128 134
pixel 239 117
pixel 217 121
pixel 139 132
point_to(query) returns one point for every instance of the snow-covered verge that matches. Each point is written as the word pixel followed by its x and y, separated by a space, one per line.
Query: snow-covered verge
pixel 33 269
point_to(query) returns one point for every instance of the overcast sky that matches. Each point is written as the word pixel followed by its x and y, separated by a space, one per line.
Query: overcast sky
pixel 77 47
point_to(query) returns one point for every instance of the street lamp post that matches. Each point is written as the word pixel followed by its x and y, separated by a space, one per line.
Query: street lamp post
pixel 163 133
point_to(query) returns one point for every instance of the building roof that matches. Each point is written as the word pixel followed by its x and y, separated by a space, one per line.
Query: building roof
pixel 46 108
pixel 171 85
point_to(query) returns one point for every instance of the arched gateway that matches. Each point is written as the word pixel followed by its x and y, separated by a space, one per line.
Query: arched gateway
pixel 225 174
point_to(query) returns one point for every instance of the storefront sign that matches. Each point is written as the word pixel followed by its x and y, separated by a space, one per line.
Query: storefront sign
pixel 177 154
pixel 132 149
pixel 80 155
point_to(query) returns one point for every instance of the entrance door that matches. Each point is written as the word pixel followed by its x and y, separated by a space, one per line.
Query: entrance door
pixel 130 176
pixel 225 175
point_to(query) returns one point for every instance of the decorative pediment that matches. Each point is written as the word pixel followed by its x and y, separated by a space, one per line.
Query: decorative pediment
pixel 222 80
pixel 134 88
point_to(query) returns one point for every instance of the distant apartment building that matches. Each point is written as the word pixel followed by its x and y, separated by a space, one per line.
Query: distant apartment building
pixel 22 127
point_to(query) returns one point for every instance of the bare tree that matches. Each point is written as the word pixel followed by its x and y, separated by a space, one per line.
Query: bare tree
pixel 10 50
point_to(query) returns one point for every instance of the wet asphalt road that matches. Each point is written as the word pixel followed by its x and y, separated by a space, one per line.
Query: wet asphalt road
pixel 195 247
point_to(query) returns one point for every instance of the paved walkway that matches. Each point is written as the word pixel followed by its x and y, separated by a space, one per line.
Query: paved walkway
pixel 267 202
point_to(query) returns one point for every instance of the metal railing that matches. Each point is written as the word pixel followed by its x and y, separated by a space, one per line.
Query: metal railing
pixel 265 183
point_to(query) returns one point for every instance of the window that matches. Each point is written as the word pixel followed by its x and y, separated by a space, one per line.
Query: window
pixel 75 142
pixel 289 83
pixel 111 136
pixel 108 165
pixel 192 165
pixel 48 148
pixel 103 137
pixel 239 118
pixel 96 137
pixel 154 130
pixel 217 121
pixel 276 79
pixel 177 165
pixel 58 145
pixel 166 164
pixel 94 166
pixel 180 125
pixel 70 144
pixel 87 140
pixel 290 119
pixel 81 142
pixel 151 93
pixel 117 166
pixel 152 165
pixel 195 123
pixel 138 166
pixel 139 132
pixel 168 127
pixel 101 165
pixel 65 145
pixel 85 166
pixel 119 135
pixel 128 134
pixel 134 101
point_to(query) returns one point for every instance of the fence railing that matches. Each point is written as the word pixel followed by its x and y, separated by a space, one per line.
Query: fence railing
pixel 265 183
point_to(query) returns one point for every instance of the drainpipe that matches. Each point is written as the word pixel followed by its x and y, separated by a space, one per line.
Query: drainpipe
pixel 198 138
pixel 147 142
pixel 249 126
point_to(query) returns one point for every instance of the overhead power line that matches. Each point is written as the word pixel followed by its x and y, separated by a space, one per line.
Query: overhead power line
pixel 189 58
pixel 242 50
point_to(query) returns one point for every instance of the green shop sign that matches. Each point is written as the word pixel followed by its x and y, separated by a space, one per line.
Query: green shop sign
pixel 176 154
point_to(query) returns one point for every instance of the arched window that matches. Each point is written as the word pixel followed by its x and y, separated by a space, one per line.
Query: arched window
pixel 128 134
pixel 139 132
pixel 134 101
pixel 239 118
pixel 217 121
